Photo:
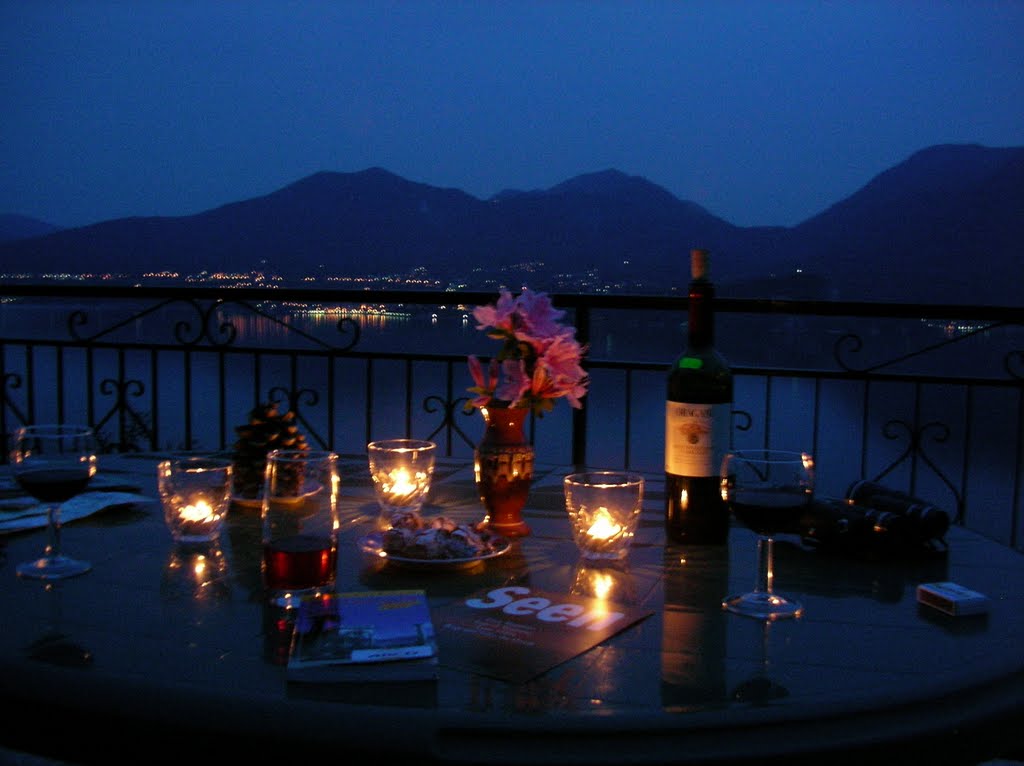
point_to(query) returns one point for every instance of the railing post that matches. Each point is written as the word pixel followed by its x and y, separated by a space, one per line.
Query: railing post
pixel 579 417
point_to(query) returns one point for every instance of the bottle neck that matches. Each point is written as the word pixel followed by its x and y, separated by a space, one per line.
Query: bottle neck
pixel 701 333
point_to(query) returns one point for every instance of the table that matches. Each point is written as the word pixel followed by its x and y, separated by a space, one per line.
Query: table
pixel 190 663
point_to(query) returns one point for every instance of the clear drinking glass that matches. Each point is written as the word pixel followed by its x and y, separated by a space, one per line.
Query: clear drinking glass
pixel 604 509
pixel 300 524
pixel 766 490
pixel 53 463
pixel 195 493
pixel 401 470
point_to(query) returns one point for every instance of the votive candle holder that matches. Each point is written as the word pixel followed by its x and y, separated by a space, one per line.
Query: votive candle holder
pixel 195 493
pixel 401 470
pixel 604 510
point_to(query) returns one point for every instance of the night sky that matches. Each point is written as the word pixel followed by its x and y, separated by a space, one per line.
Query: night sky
pixel 761 112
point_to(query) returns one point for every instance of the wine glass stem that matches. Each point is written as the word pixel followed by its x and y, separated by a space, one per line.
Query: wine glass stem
pixel 765 566
pixel 53 531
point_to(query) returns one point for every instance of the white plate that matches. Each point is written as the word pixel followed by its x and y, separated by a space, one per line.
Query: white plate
pixel 373 545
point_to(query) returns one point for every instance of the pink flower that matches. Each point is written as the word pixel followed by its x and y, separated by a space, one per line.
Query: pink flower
pixel 539 361
pixel 515 382
pixel 539 318
pixel 484 388
pixel 499 315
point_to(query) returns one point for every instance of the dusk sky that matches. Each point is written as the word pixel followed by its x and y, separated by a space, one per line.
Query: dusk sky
pixel 764 113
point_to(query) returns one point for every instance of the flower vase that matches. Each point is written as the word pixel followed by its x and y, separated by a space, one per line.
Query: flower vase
pixel 504 469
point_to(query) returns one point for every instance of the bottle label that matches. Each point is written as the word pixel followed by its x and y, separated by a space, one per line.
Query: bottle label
pixel 695 438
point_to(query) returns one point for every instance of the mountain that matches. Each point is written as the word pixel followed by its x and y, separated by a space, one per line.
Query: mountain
pixel 22 227
pixel 950 215
pixel 943 226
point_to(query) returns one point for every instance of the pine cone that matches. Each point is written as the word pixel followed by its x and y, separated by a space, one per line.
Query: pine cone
pixel 267 429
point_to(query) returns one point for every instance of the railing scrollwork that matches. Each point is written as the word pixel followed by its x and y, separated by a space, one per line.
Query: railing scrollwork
pixel 212 324
pixel 939 432
pixel 1013 363
pixel 130 421
pixel 852 343
pixel 295 400
pixel 449 407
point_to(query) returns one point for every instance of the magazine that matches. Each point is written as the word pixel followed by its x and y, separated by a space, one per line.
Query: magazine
pixel 514 633
pixel 363 636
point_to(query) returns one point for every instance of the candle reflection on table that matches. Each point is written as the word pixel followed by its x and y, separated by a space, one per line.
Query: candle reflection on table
pixel 196 572
pixel 604 580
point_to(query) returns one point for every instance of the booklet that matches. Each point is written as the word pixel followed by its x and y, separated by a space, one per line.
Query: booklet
pixel 514 633
pixel 363 636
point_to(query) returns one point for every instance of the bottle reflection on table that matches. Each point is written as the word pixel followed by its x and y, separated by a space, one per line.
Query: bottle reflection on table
pixel 694 626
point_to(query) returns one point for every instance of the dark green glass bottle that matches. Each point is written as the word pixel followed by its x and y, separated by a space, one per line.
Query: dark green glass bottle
pixel 697 416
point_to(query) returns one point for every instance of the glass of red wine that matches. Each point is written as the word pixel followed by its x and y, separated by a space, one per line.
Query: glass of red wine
pixel 766 490
pixel 300 524
pixel 53 463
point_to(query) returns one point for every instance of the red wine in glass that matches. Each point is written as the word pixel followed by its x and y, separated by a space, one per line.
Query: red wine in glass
pixel 301 562
pixel 54 485
pixel 770 511
pixel 53 463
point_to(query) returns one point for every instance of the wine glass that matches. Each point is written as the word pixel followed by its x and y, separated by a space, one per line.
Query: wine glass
pixel 53 463
pixel 766 490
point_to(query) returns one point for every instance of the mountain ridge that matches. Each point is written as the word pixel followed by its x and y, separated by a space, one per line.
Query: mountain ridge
pixel 915 224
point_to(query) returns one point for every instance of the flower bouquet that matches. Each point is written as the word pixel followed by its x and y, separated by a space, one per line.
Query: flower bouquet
pixel 539 359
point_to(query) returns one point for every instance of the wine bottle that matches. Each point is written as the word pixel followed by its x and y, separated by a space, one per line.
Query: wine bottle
pixel 697 415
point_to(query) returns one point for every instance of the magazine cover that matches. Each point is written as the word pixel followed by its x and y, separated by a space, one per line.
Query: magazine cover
pixel 362 636
pixel 514 633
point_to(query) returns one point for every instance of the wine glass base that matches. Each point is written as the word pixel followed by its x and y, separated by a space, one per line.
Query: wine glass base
pixel 763 606
pixel 53 568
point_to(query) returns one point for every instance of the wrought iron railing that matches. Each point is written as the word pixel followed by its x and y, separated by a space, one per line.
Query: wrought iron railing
pixel 927 398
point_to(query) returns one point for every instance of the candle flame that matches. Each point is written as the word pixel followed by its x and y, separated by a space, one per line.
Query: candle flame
pixel 201 511
pixel 603 526
pixel 400 482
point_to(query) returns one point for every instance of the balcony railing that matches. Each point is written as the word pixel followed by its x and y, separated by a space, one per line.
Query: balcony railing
pixel 927 398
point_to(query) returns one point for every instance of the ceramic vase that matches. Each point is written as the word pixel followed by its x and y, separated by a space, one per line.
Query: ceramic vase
pixel 504 469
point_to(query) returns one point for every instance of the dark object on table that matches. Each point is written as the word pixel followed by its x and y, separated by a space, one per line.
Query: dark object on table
pixel 843 526
pixel 926 522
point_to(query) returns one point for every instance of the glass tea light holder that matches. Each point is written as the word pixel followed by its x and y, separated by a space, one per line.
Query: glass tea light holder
pixel 195 493
pixel 401 470
pixel 604 510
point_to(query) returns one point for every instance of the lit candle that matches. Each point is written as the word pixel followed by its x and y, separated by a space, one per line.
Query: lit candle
pixel 195 521
pixel 399 483
pixel 603 525
pixel 201 512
